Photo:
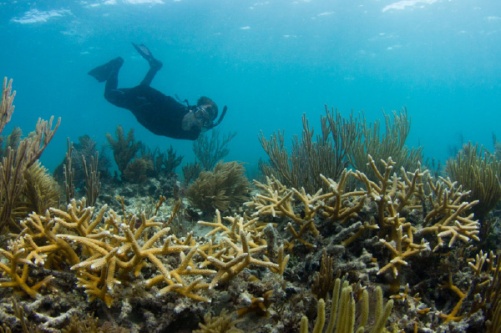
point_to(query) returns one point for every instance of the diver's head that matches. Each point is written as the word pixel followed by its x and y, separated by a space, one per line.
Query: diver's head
pixel 206 111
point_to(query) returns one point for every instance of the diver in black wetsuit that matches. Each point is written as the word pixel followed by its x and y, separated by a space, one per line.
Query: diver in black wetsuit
pixel 161 114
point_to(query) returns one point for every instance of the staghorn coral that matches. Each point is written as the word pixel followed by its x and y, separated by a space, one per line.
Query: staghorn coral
pixel 239 249
pixel 18 268
pixel 482 293
pixel 107 252
pixel 391 198
pixel 277 200
pixel 223 188
pixel 395 197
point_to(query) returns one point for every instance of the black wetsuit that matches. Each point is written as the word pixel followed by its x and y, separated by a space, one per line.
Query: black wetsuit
pixel 161 114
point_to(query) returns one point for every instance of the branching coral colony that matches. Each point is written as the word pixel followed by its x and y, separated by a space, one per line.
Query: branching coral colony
pixel 412 215
pixel 393 199
pixel 107 250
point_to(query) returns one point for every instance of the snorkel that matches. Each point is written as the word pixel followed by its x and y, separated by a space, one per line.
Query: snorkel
pixel 220 119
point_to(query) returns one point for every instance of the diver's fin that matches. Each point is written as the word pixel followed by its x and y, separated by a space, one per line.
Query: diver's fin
pixel 143 51
pixel 103 72
pixel 146 54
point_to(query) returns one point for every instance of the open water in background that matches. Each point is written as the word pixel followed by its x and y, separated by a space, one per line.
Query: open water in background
pixel 269 61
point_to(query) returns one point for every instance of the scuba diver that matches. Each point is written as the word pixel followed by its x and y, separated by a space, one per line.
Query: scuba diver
pixel 161 114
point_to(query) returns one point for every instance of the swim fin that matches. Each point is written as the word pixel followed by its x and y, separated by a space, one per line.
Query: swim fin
pixel 143 51
pixel 103 72
pixel 146 54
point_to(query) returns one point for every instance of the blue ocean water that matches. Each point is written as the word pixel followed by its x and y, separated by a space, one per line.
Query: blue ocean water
pixel 269 62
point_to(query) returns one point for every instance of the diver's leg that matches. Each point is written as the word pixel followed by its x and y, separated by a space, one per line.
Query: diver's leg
pixel 155 64
pixel 111 88
pixel 154 68
pixel 115 96
pixel 111 92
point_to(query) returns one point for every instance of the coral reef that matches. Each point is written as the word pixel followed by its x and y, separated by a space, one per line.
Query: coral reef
pixel 108 253
pixel 389 201
pixel 394 222
pixel 385 247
